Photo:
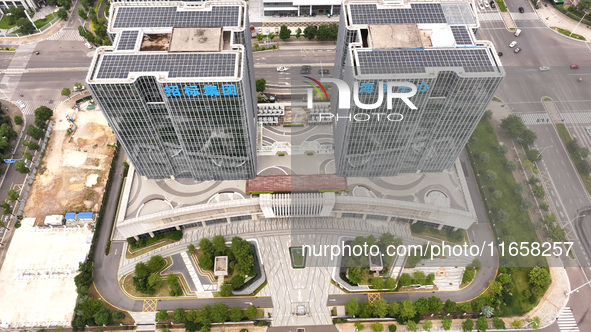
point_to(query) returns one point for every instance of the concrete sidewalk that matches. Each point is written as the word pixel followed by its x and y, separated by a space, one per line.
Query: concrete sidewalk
pixel 554 18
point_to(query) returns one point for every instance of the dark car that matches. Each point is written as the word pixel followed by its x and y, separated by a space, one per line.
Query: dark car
pixel 500 53
pixel 493 4
pixel 36 52
pixel 521 10
pixel 323 71
pixel 306 70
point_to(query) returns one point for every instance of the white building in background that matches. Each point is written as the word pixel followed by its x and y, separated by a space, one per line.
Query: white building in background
pixel 28 4
pixel 301 7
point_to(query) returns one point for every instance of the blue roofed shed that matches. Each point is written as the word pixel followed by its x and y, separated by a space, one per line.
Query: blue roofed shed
pixel 70 216
pixel 86 216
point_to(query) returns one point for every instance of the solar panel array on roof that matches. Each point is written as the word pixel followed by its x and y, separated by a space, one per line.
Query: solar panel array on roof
pixel 415 61
pixel 461 35
pixel 118 66
pixel 170 16
pixel 127 40
pixel 418 13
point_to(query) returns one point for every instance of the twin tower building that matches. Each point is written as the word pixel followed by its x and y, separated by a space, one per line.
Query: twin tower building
pixel 178 87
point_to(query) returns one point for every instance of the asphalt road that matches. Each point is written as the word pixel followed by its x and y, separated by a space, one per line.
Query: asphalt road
pixel 61 54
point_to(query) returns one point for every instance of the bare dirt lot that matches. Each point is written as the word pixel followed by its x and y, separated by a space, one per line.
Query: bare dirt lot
pixel 73 173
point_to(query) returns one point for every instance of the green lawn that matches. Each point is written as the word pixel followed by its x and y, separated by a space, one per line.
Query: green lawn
pixel 4 23
pixel 518 227
pixel 501 5
pixel 298 259
pixel 42 22
pixel 568 33
pixel 565 137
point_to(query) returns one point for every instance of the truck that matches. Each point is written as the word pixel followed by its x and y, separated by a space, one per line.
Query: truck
pixel 253 31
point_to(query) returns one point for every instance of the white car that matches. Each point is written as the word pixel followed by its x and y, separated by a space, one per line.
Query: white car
pixel 81 88
pixel 481 6
pixel 260 31
pixel 544 68
pixel 267 31
pixel 281 68
pixel 485 4
pixel 88 45
pixel 513 43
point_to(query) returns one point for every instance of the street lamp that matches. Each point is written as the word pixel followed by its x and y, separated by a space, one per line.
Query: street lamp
pixel 581 20
pixel 544 148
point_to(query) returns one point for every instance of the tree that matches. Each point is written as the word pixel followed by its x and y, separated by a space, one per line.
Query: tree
pixel 18 120
pixel 435 304
pixel 260 37
pixel 496 194
pixel 502 215
pixel 391 328
pixel 365 310
pixel 484 157
pixel 411 326
pixel 377 283
pixel 533 155
pixel 271 35
pixel 377 327
pixel 102 316
pixel 549 219
pixel 78 86
pixel 260 84
pixel 7 131
pixel 21 167
pixel 6 208
pixel 427 325
pixel 251 311
pixel 526 204
pixel 219 245
pixel 557 234
pixel 518 188
pixel 82 13
pixel 490 175
pixel 62 13
pixel 219 312
pixel 418 277
pixel 407 310
pixel 310 32
pixel 205 245
pixel 393 308
pixel 467 276
pixel 390 283
pixel 380 308
pixel 298 33
pixel 510 165
pixel 237 281
pixel 25 26
pixel 517 323
pixel 156 263
pixel 154 280
pixel 12 195
pixel 583 152
pixel 162 316
pixel 534 322
pixel 44 113
pixel 118 315
pixel 446 324
pixel 422 305
pixel 405 279
pixel 498 323
pixel 359 326
pixel 503 149
pixel 487 115
pixel 226 290
pixel 33 131
pixel 178 315
pixel 513 126
pixel 449 306
pixel 482 324
pixel 528 137
pixel 464 307
pixel 191 249
pixel 467 325
pixel 235 314
pixel 539 276
pixel 538 191
pixel 352 307
pixel 284 33
pixel 324 32
pixel 66 91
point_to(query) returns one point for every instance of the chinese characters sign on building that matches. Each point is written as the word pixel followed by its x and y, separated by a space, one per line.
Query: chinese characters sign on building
pixel 207 90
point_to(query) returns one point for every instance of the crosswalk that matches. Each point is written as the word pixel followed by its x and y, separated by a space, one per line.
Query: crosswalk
pixel 66 34
pixel 577 117
pixel 535 118
pixel 566 321
pixel 525 16
pixel 489 16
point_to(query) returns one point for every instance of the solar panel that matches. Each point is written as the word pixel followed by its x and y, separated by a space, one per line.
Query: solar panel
pixel 415 61
pixel 461 35
pixel 170 16
pixel 418 13
pixel 127 40
pixel 118 66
